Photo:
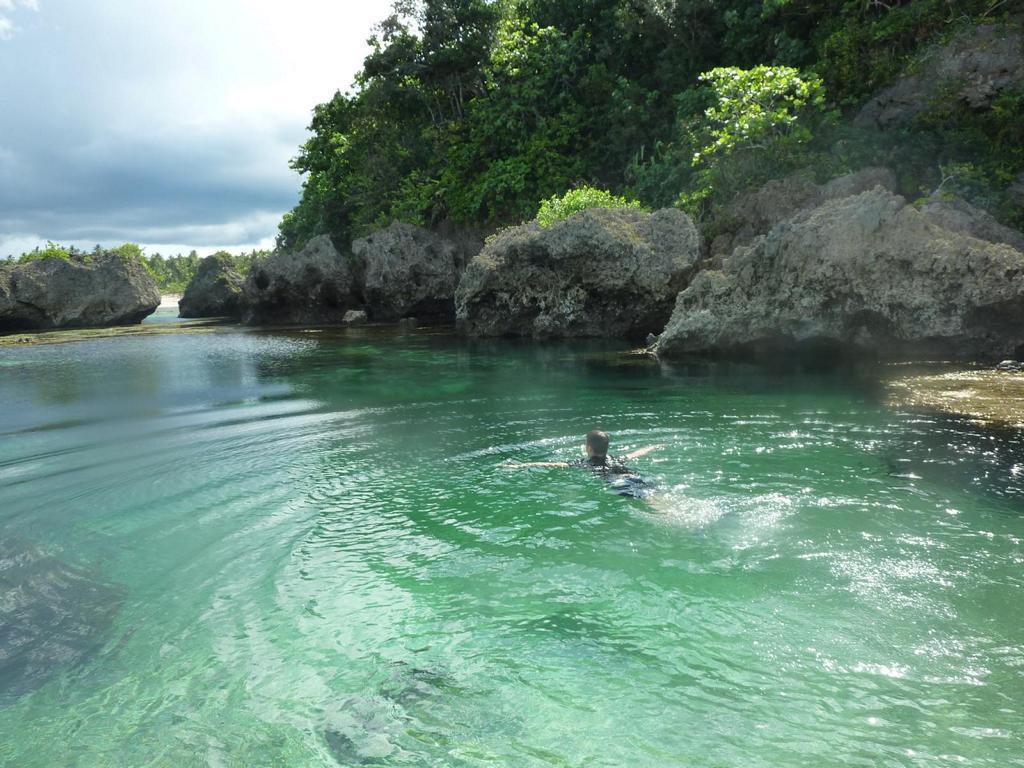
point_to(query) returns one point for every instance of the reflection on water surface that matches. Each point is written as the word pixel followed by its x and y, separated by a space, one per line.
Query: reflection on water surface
pixel 301 548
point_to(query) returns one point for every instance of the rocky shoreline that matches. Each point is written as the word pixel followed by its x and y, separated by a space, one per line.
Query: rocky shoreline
pixel 802 267
pixel 844 269
pixel 848 268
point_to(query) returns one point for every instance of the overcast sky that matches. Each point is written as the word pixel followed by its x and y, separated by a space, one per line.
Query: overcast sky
pixel 164 122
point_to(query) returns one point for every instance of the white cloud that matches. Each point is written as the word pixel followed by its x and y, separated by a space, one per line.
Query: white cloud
pixel 164 119
pixel 7 9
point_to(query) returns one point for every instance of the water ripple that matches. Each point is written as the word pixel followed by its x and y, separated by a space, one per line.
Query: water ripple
pixel 320 560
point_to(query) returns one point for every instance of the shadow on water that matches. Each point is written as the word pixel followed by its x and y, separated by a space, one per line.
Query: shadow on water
pixel 53 616
pixel 956 452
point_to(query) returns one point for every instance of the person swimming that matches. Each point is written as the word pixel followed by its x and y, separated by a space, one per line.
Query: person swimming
pixel 613 469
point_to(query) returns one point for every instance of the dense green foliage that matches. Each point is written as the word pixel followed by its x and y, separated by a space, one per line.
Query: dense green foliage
pixel 472 111
pixel 51 251
pixel 174 273
pixel 171 273
pixel 759 122
pixel 559 208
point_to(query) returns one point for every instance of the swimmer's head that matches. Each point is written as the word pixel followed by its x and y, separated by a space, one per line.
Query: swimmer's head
pixel 597 444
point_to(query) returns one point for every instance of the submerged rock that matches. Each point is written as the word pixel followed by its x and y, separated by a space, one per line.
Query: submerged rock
pixel 868 273
pixel 52 616
pixel 408 270
pixel 216 290
pixel 974 68
pixel 316 285
pixel 92 291
pixel 602 272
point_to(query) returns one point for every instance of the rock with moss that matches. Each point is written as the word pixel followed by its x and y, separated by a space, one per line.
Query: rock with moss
pixel 216 290
pixel 958 215
pixel 868 273
pixel 756 211
pixel 411 271
pixel 972 68
pixel 316 285
pixel 99 290
pixel 601 273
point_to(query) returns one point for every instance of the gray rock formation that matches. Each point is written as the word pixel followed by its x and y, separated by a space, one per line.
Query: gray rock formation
pixel 755 212
pixel 216 290
pixel 605 273
pixel 973 67
pixel 408 270
pixel 868 273
pixel 354 317
pixel 316 285
pixel 84 292
pixel 958 215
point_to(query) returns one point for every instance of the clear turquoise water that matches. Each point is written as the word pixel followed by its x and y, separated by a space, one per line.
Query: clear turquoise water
pixel 302 549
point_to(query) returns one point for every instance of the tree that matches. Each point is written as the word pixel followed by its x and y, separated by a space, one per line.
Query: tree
pixel 758 123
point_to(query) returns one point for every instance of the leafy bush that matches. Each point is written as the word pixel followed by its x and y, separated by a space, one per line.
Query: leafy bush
pixel 558 209
pixel 51 251
pixel 758 126
pixel 129 251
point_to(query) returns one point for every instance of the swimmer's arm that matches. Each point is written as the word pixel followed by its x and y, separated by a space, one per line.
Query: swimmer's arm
pixel 643 451
pixel 524 465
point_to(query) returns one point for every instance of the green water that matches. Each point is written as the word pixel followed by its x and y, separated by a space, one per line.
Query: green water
pixel 302 550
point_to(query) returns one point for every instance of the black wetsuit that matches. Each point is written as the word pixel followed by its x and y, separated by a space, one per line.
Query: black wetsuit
pixel 623 480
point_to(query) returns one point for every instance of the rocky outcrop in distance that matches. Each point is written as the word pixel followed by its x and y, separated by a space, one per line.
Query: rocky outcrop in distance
pixel 410 271
pixel 600 273
pixel 973 68
pixel 216 290
pixel 91 291
pixel 395 273
pixel 315 286
pixel 866 273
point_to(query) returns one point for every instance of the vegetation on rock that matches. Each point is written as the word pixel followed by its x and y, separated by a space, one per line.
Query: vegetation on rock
pixel 51 251
pixel 472 111
pixel 171 273
pixel 559 208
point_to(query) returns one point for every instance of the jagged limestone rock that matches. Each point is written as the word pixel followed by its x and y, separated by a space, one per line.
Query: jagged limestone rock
pixel 97 290
pixel 974 67
pixel 315 285
pixel 408 270
pixel 601 273
pixel 756 211
pixel 216 290
pixel 867 273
